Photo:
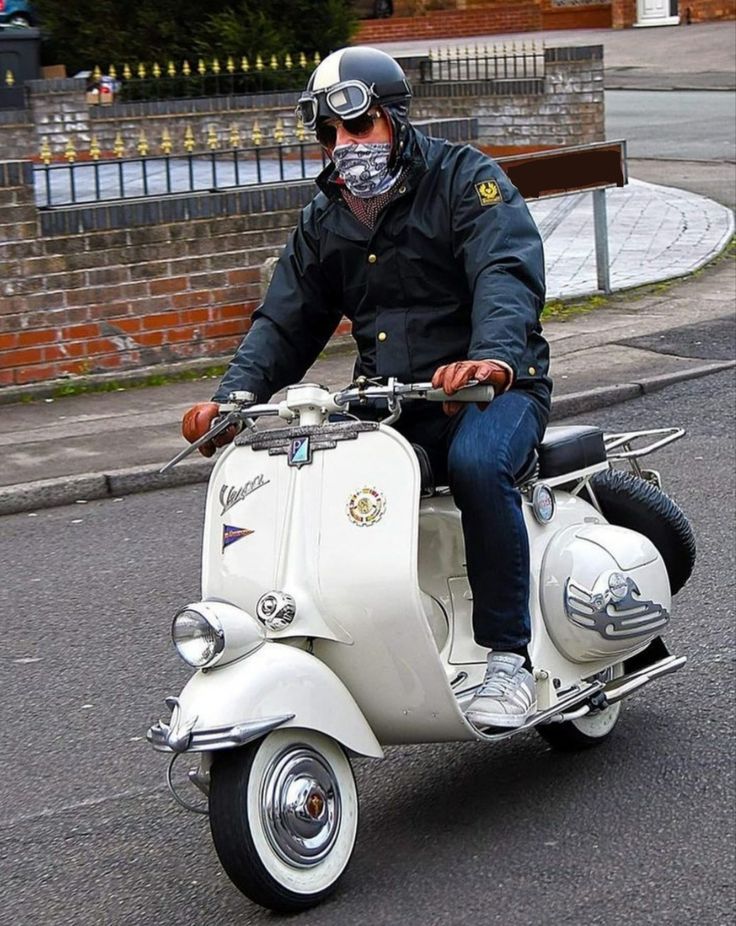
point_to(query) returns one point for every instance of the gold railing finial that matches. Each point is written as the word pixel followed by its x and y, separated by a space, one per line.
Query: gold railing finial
pixel 212 137
pixel 96 72
pixel 112 71
pixel 234 136
pixel 70 152
pixel 188 139
pixel 142 147
pixel 185 69
pixel 256 135
pixel 156 70
pixel 244 64
pixel 141 70
pixel 279 136
pixel 127 73
pixel 118 147
pixel 94 148
pixel 288 63
pixel 216 66
pixel 45 151
pixel 230 66
pixel 9 78
pixel 166 143
pixel 259 63
pixel 171 69
pixel 300 131
pixel 201 68
pixel 274 65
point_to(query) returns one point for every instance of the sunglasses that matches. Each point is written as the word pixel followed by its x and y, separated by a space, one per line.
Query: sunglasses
pixel 359 127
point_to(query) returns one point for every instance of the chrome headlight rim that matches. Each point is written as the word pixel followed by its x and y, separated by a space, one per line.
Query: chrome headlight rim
pixel 213 625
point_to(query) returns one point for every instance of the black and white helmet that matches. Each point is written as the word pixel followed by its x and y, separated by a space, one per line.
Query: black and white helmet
pixel 349 82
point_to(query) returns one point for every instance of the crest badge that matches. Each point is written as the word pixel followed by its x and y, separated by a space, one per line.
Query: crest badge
pixel 366 507
pixel 488 193
pixel 300 452
pixel 231 533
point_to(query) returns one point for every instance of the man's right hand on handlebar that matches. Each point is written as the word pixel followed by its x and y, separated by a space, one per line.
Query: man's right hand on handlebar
pixel 198 420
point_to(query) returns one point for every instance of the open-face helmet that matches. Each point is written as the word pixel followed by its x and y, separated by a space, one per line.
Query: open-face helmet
pixel 348 83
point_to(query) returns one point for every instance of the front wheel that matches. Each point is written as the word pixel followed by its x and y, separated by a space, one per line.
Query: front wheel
pixel 284 817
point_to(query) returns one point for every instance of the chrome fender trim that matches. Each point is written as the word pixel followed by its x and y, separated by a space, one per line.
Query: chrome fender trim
pixel 176 736
pixel 626 685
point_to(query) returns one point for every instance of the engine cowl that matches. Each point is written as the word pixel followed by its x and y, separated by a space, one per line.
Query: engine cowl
pixel 605 592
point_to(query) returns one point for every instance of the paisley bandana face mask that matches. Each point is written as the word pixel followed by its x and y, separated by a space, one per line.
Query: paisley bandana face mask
pixel 364 168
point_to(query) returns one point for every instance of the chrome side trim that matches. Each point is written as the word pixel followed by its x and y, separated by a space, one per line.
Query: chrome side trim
pixel 175 737
pixel 620 688
pixel 575 697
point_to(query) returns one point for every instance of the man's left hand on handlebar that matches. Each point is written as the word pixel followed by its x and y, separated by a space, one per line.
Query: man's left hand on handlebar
pixel 454 376
pixel 198 420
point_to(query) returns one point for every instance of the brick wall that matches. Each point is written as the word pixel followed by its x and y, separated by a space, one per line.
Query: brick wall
pixel 76 299
pixel 707 10
pixel 623 14
pixel 565 108
pixel 486 17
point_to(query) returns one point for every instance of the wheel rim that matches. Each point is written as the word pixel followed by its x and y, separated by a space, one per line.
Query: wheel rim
pixel 301 807
pixel 600 723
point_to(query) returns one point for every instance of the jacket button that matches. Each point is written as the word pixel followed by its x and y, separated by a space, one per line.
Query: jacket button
pixel 402 189
pixel 372 258
pixel 382 335
pixel 532 371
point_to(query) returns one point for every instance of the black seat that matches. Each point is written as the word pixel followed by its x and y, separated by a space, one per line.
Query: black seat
pixel 565 449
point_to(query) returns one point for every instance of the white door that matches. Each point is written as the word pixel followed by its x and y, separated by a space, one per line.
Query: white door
pixel 656 13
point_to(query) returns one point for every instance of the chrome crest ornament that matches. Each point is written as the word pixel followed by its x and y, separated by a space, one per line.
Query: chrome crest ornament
pixel 300 452
pixel 276 610
pixel 366 506
pixel 611 609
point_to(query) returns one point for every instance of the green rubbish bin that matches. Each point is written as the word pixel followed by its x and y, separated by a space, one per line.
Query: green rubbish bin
pixel 20 60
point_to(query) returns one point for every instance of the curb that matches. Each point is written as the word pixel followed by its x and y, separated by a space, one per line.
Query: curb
pixel 66 490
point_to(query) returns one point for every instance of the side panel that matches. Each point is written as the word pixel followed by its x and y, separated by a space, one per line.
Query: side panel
pixel 368 581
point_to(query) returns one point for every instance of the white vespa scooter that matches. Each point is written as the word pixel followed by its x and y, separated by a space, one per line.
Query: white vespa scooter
pixel 336 617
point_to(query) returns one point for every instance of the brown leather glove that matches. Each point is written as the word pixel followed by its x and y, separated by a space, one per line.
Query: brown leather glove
pixel 198 420
pixel 454 376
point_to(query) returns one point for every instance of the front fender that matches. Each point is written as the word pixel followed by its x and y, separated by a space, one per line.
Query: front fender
pixel 276 686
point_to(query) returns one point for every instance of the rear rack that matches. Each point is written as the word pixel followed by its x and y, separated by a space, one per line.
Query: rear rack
pixel 622 448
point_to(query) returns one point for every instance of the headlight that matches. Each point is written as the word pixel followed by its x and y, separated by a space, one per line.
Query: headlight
pixel 198 639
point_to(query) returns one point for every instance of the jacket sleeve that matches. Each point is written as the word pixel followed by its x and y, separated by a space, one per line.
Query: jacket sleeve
pixel 292 325
pixel 495 237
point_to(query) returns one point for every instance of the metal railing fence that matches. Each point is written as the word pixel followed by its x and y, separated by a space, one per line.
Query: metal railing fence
pixel 475 63
pixel 113 179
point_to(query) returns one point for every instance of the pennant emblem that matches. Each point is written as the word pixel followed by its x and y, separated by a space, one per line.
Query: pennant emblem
pixel 230 534
pixel 300 452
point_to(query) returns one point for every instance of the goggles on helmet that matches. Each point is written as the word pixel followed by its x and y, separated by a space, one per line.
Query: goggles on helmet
pixel 345 100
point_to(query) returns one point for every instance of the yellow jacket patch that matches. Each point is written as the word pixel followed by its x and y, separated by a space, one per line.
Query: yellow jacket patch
pixel 488 193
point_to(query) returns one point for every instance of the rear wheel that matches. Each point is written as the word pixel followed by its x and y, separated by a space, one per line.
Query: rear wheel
pixel 284 817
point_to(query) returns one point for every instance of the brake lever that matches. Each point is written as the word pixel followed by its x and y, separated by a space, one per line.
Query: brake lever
pixel 223 424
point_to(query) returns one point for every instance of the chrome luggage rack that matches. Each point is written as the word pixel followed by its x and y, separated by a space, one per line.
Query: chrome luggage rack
pixel 623 448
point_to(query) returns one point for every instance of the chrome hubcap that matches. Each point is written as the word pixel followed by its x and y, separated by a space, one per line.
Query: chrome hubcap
pixel 301 806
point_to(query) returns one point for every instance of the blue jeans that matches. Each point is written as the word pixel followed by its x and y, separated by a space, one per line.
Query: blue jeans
pixel 480 453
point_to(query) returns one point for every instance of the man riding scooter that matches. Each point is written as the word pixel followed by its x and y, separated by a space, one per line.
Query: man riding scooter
pixel 432 253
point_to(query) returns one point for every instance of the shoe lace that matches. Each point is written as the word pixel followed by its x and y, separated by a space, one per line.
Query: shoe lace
pixel 497 685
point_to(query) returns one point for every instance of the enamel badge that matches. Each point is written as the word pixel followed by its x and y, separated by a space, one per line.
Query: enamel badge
pixel 488 192
pixel 366 507
pixel 230 534
pixel 300 452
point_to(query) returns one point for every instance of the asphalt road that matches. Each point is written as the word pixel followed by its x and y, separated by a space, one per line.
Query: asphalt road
pixel 637 831
pixel 683 124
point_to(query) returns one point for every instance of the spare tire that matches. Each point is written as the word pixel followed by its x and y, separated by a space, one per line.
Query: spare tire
pixel 628 501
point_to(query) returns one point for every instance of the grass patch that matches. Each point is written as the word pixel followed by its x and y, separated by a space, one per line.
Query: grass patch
pixel 82 387
pixel 559 311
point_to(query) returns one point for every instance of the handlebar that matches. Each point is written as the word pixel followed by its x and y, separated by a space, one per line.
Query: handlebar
pixel 307 399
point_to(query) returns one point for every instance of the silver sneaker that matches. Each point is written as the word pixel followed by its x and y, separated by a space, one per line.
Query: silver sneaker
pixel 507 697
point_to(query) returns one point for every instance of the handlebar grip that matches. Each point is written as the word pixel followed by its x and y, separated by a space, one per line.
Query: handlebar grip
pixel 477 393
